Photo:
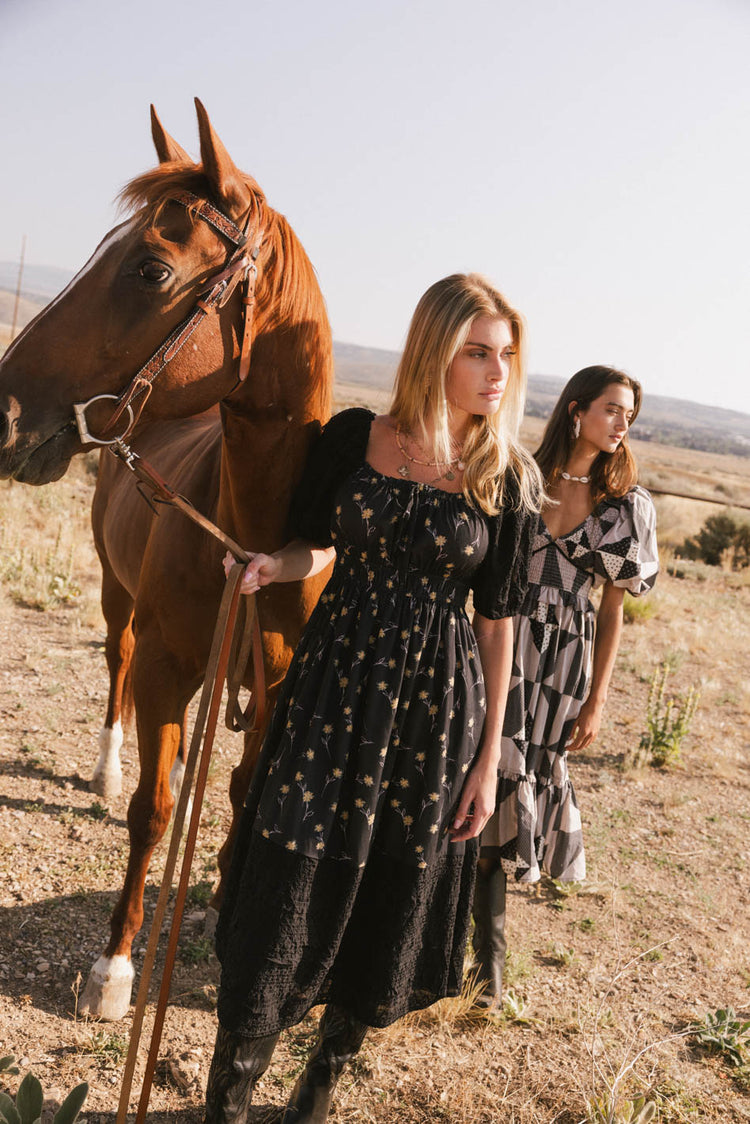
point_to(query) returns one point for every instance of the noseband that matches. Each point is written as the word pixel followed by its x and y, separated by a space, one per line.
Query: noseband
pixel 239 267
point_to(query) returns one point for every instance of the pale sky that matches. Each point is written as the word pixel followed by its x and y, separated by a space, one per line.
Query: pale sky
pixel 591 157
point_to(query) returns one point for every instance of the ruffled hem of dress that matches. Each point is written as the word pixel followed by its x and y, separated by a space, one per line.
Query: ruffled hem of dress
pixel 379 941
pixel 536 827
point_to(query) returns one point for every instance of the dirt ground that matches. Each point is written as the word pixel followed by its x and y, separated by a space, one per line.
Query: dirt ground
pixel 603 979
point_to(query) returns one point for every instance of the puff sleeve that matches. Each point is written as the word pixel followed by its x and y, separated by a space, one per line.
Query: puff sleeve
pixel 501 580
pixel 627 554
pixel 334 454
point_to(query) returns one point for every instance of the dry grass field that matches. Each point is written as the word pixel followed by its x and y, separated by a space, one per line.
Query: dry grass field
pixel 604 979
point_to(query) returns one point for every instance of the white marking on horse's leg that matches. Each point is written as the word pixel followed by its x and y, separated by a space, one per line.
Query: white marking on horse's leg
pixel 108 988
pixel 107 778
pixel 176 776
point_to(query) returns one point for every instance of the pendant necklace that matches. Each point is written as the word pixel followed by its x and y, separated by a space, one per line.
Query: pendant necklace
pixel 449 474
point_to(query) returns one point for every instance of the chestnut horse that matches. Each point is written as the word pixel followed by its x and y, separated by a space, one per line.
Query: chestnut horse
pixel 162 577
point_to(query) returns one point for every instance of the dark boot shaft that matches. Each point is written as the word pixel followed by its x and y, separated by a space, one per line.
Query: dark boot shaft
pixel 341 1036
pixel 236 1066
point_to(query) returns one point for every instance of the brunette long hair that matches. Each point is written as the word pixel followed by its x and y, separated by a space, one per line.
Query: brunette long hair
pixel 439 329
pixel 612 474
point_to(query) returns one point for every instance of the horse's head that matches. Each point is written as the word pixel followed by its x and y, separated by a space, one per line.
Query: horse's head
pixel 142 282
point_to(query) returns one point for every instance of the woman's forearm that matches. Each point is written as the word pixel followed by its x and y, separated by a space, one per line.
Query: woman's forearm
pixel 495 642
pixel 299 559
pixel 294 562
pixel 606 643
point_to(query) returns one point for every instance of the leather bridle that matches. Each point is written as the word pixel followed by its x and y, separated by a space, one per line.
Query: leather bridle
pixel 214 294
pixel 216 291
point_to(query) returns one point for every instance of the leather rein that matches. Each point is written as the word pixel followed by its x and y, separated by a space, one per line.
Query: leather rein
pixel 214 294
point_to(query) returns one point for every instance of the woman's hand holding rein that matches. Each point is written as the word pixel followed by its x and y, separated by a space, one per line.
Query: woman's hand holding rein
pixel 262 569
pixel 295 561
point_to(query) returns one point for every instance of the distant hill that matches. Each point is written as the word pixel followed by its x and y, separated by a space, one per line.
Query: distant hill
pixel 670 421
pixel 40 282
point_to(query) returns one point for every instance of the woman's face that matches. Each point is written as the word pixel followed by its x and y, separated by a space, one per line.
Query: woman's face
pixel 479 374
pixel 607 419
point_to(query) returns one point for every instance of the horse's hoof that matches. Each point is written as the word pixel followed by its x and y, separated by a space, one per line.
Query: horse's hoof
pixel 108 989
pixel 106 785
pixel 210 922
pixel 107 778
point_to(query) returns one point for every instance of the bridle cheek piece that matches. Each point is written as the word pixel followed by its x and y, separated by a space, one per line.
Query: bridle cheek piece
pixel 239 268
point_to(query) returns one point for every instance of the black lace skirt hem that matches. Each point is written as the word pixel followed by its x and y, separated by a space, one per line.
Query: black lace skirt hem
pixel 379 940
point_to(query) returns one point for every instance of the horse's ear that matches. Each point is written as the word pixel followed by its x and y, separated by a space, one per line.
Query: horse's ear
pixel 167 149
pixel 225 178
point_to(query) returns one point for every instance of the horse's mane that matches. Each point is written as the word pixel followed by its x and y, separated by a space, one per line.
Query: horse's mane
pixel 287 284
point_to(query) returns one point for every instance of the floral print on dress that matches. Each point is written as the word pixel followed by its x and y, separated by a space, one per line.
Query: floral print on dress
pixel 382 709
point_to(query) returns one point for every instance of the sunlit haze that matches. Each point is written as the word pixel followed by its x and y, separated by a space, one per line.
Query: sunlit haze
pixel 592 158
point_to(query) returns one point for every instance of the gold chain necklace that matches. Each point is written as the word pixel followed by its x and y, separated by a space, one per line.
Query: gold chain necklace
pixel 449 474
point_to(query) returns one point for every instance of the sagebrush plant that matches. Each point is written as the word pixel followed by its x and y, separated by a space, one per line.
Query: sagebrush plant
pixel 668 721
pixel 27 1107
pixel 638 609
pixel 109 1049
pixel 514 1008
pixel 723 1032
pixel 638 1111
pixel 38 578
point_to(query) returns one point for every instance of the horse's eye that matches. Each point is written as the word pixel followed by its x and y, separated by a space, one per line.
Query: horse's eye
pixel 153 271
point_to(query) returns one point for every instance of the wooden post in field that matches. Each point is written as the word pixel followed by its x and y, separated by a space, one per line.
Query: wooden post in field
pixel 18 291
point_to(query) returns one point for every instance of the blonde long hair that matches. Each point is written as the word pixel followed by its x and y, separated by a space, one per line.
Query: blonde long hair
pixel 439 329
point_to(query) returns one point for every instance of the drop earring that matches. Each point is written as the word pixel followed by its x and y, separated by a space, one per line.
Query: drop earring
pixel 577 428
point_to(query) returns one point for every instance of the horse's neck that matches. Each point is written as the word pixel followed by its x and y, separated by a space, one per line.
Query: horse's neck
pixel 266 435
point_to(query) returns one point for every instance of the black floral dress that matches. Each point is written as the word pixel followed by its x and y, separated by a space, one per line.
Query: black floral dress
pixel 345 886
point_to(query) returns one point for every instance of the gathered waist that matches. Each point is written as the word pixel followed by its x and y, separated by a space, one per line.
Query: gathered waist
pixel 382 579
pixel 551 594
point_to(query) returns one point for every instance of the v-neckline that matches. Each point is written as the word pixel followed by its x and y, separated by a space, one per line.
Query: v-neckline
pixel 572 531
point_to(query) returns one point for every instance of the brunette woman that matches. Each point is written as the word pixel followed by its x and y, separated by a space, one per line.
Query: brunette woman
pixel 353 872
pixel 598 528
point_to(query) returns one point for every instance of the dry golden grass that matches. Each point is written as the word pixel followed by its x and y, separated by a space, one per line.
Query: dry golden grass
pixel 606 978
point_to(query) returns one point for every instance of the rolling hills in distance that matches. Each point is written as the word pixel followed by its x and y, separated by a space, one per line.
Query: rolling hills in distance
pixel 671 421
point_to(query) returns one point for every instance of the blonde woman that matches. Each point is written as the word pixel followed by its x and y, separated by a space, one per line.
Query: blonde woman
pixel 598 529
pixel 352 876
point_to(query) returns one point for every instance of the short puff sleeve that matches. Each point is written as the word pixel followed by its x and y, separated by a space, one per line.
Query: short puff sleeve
pixel 335 453
pixel 628 555
pixel 500 582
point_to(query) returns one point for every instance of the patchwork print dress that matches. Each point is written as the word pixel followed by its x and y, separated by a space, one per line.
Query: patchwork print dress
pixel 537 822
pixel 344 883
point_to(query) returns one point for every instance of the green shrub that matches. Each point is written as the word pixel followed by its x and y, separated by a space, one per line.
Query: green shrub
pixel 722 540
pixel 667 720
pixel 637 609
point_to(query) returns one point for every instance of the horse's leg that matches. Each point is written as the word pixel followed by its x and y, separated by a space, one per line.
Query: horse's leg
pixel 160 689
pixel 117 607
pixel 178 769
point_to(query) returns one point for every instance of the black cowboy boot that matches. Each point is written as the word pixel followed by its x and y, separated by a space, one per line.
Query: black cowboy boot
pixel 341 1036
pixel 488 939
pixel 236 1066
